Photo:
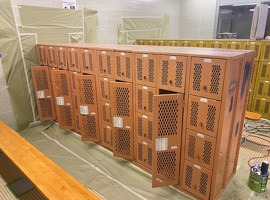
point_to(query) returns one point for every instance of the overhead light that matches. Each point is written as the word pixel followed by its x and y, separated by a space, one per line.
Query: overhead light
pixel 245 4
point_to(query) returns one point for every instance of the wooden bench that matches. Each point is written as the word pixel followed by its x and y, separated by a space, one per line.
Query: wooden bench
pixel 48 177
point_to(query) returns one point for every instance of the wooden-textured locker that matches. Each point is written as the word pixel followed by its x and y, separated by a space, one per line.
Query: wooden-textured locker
pixel 145 99
pixel 146 69
pixel 86 90
pixel 203 115
pixel 87 61
pixel 105 89
pixel 167 139
pixel 43 91
pixel 73 59
pixel 42 54
pixel 122 113
pixel 123 66
pixel 171 73
pixel 105 63
pixel 207 77
pixel 107 136
pixel 144 152
pixel 61 55
pixel 196 180
pixel 106 113
pixel 51 53
pixel 200 149
pixel 144 127
pixel 62 92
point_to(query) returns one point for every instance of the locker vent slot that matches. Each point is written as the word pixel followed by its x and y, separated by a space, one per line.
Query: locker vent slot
pixel 100 63
pixel 197 77
pixel 64 57
pixel 150 101
pixel 76 60
pixel 211 115
pixel 90 61
pixel 64 85
pixel 73 81
pixel 65 115
pixel 104 113
pixel 139 92
pixel 266 108
pixel 150 128
pixel 45 107
pixel 87 92
pixel 139 68
pixel 188 178
pixel 268 93
pixel 122 142
pixel 76 102
pixel 257 107
pixel 191 146
pixel 164 78
pixel 102 89
pixel 179 74
pixel 207 152
pixel 149 156
pixel 166 164
pixel 118 66
pixel 105 135
pixel 266 53
pixel 140 151
pixel 151 70
pixel 122 101
pixel 260 90
pixel 78 122
pixel 203 183
pixel 85 67
pixel 59 60
pixel 257 50
pixel 168 114
pixel 127 59
pixel 41 79
pixel 108 57
pixel 91 127
pixel 140 126
pixel 194 113
pixel 263 71
pixel 215 79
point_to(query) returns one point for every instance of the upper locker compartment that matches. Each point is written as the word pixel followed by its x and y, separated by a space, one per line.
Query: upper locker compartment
pixel 62 92
pixel 146 65
pixel 61 53
pixel 87 62
pixel 87 101
pixel 167 129
pixel 207 77
pixel 105 63
pixel 43 91
pixel 51 53
pixel 73 59
pixel 122 114
pixel 123 66
pixel 42 53
pixel 172 70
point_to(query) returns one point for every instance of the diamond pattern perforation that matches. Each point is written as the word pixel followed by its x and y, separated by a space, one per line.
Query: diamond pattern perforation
pixel 109 67
pixel 164 77
pixel 166 165
pixel 123 142
pixel 211 116
pixel 100 63
pixel 127 62
pixel 191 146
pixel 215 79
pixel 90 127
pixel 188 176
pixel 41 79
pixel 179 74
pixel 139 68
pixel 150 130
pixel 65 119
pixel 150 101
pixel 86 90
pixel 194 113
pixel 149 151
pixel 140 154
pixel 139 98
pixel 197 77
pixel 46 109
pixel 203 183
pixel 118 66
pixel 151 70
pixel 140 131
pixel 122 101
pixel 207 150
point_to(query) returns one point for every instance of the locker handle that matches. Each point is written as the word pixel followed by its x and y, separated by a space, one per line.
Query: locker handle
pixel 106 96
pixel 170 82
pixel 104 70
pixel 123 73
pixel 73 65
pixel 144 77
pixel 204 87
pixel 144 107
pixel 144 135
pixel 201 124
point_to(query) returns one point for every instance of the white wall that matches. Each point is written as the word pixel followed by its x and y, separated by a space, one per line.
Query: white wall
pixel 197 19
pixel 111 11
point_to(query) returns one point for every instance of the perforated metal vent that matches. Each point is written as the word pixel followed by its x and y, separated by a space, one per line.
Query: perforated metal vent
pixel 257 50
pixel 207 152
pixel 105 135
pixel 118 66
pixel 73 81
pixel 150 101
pixel 179 74
pixel 263 73
pixel 203 183
pixel 86 88
pixel 167 121
pixel 90 126
pixel 197 77
pixel 76 102
pixel 122 101
pixel 257 107
pixel 85 67
pixel 166 164
pixel 109 67
pixel 267 50
pixel 139 96
pixel 191 146
pixel 268 93
pixel 41 79
pixel 122 142
pixel 164 78
pixel 149 151
pixel 78 122
pixel 139 68
pixel 140 126
pixel 150 130
pixel 45 107
pixel 100 63
pixel 64 84
pixel 194 113
pixel 215 78
pixel 104 113
pixel 151 70
pixel 266 108
pixel 188 177
pixel 65 116
pixel 211 116
pixel 260 90
pixel 127 61
pixel 139 151
pixel 102 89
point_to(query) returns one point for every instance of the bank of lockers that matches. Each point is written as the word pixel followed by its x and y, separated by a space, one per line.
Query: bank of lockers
pixel 51 53
pixel 176 115
pixel 262 89
pixel 42 53
pixel 217 44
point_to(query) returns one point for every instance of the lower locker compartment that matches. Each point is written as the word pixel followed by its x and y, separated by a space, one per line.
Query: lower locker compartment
pixel 106 136
pixel 144 127
pixel 143 153
pixel 106 115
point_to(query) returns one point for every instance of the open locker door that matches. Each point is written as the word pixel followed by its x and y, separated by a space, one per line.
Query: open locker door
pixel 167 129
pixel 87 101
pixel 62 92
pixel 122 113
pixel 43 91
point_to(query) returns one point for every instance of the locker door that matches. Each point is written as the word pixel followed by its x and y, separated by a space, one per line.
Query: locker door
pixel 43 91
pixel 61 57
pixel 105 63
pixel 73 61
pixel 264 71
pixel 143 151
pixel 51 52
pixel 78 123
pixel 42 53
pixel 203 115
pixel 263 89
pixel 265 51
pixel 86 89
pixel 196 180
pixel 105 90
pixel 167 139
pixel 144 127
pixel 200 149
pixel 87 63
pixel 64 104
pixel 107 136
pixel 106 113
pixel 122 113
pixel 207 77
pixel 123 66
pixel 262 106
pixel 146 69
pixel 172 70
pixel 144 99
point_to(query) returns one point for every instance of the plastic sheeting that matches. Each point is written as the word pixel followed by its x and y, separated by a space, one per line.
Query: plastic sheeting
pixel 90 25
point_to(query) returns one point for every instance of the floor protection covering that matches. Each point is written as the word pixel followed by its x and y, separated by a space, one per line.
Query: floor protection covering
pixel 115 178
